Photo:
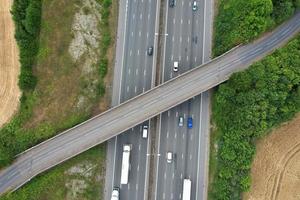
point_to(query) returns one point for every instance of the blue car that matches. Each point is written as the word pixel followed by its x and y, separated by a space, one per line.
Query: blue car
pixel 190 122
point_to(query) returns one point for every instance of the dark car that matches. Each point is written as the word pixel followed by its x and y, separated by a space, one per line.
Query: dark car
pixel 171 3
pixel 150 51
pixel 190 122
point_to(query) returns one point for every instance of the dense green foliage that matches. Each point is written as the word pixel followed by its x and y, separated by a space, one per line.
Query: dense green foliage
pixel 246 108
pixel 27 18
pixel 240 21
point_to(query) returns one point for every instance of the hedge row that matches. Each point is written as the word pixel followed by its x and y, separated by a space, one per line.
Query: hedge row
pixel 245 108
pixel 241 21
pixel 27 18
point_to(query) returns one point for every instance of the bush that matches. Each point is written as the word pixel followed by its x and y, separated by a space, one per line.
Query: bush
pixel 241 21
pixel 103 67
pixel 27 18
pixel 246 108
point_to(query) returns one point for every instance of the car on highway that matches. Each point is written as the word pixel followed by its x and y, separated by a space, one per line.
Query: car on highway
pixel 169 157
pixel 145 131
pixel 115 194
pixel 150 51
pixel 175 66
pixel 171 3
pixel 180 121
pixel 195 7
pixel 190 122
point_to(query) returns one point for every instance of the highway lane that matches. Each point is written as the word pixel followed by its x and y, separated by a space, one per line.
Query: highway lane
pixel 185 44
pixel 141 108
pixel 134 74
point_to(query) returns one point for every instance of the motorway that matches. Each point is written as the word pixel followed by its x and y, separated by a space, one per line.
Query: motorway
pixel 133 75
pixel 188 43
pixel 143 107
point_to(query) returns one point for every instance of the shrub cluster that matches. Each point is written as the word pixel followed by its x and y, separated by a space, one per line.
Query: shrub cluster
pixel 27 18
pixel 104 43
pixel 246 108
pixel 241 21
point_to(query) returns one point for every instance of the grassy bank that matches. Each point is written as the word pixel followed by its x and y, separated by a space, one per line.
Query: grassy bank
pixel 246 108
pixel 79 178
pixel 73 56
pixel 240 21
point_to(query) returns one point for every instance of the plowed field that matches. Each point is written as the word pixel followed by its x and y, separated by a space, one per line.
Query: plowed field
pixel 9 64
pixel 276 168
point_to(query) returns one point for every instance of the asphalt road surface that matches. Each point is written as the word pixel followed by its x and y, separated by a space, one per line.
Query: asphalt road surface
pixel 189 43
pixel 136 72
pixel 141 108
pixel 133 76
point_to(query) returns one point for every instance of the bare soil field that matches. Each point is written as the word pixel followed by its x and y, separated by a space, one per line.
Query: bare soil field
pixel 9 64
pixel 275 171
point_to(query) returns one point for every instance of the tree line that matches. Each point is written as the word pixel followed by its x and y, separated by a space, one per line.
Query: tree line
pixel 240 21
pixel 27 18
pixel 246 108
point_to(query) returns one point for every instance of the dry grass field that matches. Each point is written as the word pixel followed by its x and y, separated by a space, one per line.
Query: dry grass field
pixel 276 168
pixel 9 64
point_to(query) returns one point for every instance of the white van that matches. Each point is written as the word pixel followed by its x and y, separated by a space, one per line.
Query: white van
pixel 145 131
pixel 115 194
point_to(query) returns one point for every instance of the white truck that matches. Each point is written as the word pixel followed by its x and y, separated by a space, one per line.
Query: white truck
pixel 125 163
pixel 186 194
pixel 115 194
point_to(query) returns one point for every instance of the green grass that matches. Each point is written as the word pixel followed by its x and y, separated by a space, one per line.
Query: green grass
pixel 53 105
pixel 52 184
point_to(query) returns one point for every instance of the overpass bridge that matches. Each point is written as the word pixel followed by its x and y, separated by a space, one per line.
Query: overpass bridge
pixel 145 106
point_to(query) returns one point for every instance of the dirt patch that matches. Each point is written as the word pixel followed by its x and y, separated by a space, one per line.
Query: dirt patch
pixel 9 64
pixel 275 171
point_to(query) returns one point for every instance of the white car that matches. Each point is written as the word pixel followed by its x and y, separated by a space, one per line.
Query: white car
pixel 195 7
pixel 145 131
pixel 175 67
pixel 180 121
pixel 169 157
